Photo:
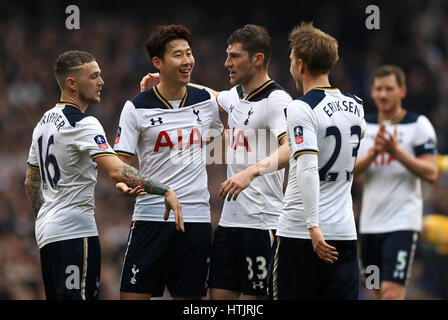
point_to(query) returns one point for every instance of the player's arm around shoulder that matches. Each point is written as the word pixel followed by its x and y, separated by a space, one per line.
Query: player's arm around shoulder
pixel 33 188
pixel 152 79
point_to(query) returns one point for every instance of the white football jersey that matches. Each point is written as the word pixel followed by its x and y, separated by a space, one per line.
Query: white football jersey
pixel 170 145
pixel 65 142
pixel 329 123
pixel 392 195
pixel 256 123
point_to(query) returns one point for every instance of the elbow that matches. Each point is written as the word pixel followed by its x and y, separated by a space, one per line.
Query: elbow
pixel 432 177
pixel 27 184
pixel 116 174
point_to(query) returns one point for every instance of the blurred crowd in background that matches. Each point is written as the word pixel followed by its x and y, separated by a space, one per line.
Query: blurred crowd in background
pixel 413 34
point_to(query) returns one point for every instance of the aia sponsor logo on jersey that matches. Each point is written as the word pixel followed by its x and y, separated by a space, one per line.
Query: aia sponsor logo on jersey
pixel 101 142
pixel 298 134
pixel 237 139
pixel 117 138
pixel 164 140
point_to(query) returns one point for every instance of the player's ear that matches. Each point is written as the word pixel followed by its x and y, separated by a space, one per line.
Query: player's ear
pixel 403 91
pixel 71 83
pixel 300 65
pixel 258 59
pixel 156 61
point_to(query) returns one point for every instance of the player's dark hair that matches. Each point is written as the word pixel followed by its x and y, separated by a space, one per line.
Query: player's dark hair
pixel 67 62
pixel 387 70
pixel 316 48
pixel 161 35
pixel 254 39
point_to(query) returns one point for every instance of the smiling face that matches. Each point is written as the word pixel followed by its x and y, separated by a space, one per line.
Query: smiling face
pixel 177 63
pixel 90 82
pixel 240 65
pixel 387 93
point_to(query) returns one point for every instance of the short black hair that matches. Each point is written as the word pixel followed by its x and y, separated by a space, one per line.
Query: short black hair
pixel 161 35
pixel 253 39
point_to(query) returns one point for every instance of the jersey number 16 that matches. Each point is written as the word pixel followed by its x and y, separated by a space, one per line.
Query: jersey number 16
pixel 45 165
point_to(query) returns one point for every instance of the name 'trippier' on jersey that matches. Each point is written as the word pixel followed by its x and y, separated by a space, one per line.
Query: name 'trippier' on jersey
pixel 65 142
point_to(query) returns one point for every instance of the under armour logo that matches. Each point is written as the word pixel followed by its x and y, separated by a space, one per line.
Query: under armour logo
pixel 248 115
pixel 257 284
pixel 153 122
pixel 231 108
pixel 134 271
pixel 196 112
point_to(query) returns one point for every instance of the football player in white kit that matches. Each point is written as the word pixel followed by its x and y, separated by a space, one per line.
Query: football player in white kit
pixel 254 189
pixel 66 150
pixel 316 250
pixel 398 152
pixel 167 127
pixel 243 239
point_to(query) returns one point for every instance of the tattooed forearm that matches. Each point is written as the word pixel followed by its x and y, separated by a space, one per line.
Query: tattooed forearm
pixel 132 177
pixel 33 189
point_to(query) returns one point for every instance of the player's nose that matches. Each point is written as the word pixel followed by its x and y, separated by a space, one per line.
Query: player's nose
pixel 227 63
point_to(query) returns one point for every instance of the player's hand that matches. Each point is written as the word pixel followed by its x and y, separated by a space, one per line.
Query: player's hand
pixel 149 81
pixel 387 141
pixel 172 203
pixel 235 184
pixel 130 192
pixel 324 250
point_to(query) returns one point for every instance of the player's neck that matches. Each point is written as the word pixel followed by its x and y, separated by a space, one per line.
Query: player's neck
pixel 82 105
pixel 392 114
pixel 310 82
pixel 171 91
pixel 255 82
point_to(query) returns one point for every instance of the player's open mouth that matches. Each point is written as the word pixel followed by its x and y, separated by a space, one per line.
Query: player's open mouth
pixel 185 71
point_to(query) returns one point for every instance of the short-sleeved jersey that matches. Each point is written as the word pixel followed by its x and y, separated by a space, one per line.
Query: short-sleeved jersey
pixel 170 145
pixel 329 123
pixel 65 142
pixel 256 123
pixel 392 195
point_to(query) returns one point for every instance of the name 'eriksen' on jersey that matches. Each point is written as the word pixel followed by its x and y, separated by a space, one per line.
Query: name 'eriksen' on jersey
pixel 335 106
pixel 54 118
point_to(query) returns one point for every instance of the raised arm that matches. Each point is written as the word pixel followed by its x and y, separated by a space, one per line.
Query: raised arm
pixel 33 189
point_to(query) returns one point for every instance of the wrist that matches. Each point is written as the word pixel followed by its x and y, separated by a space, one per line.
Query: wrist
pixel 396 153
pixel 253 171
